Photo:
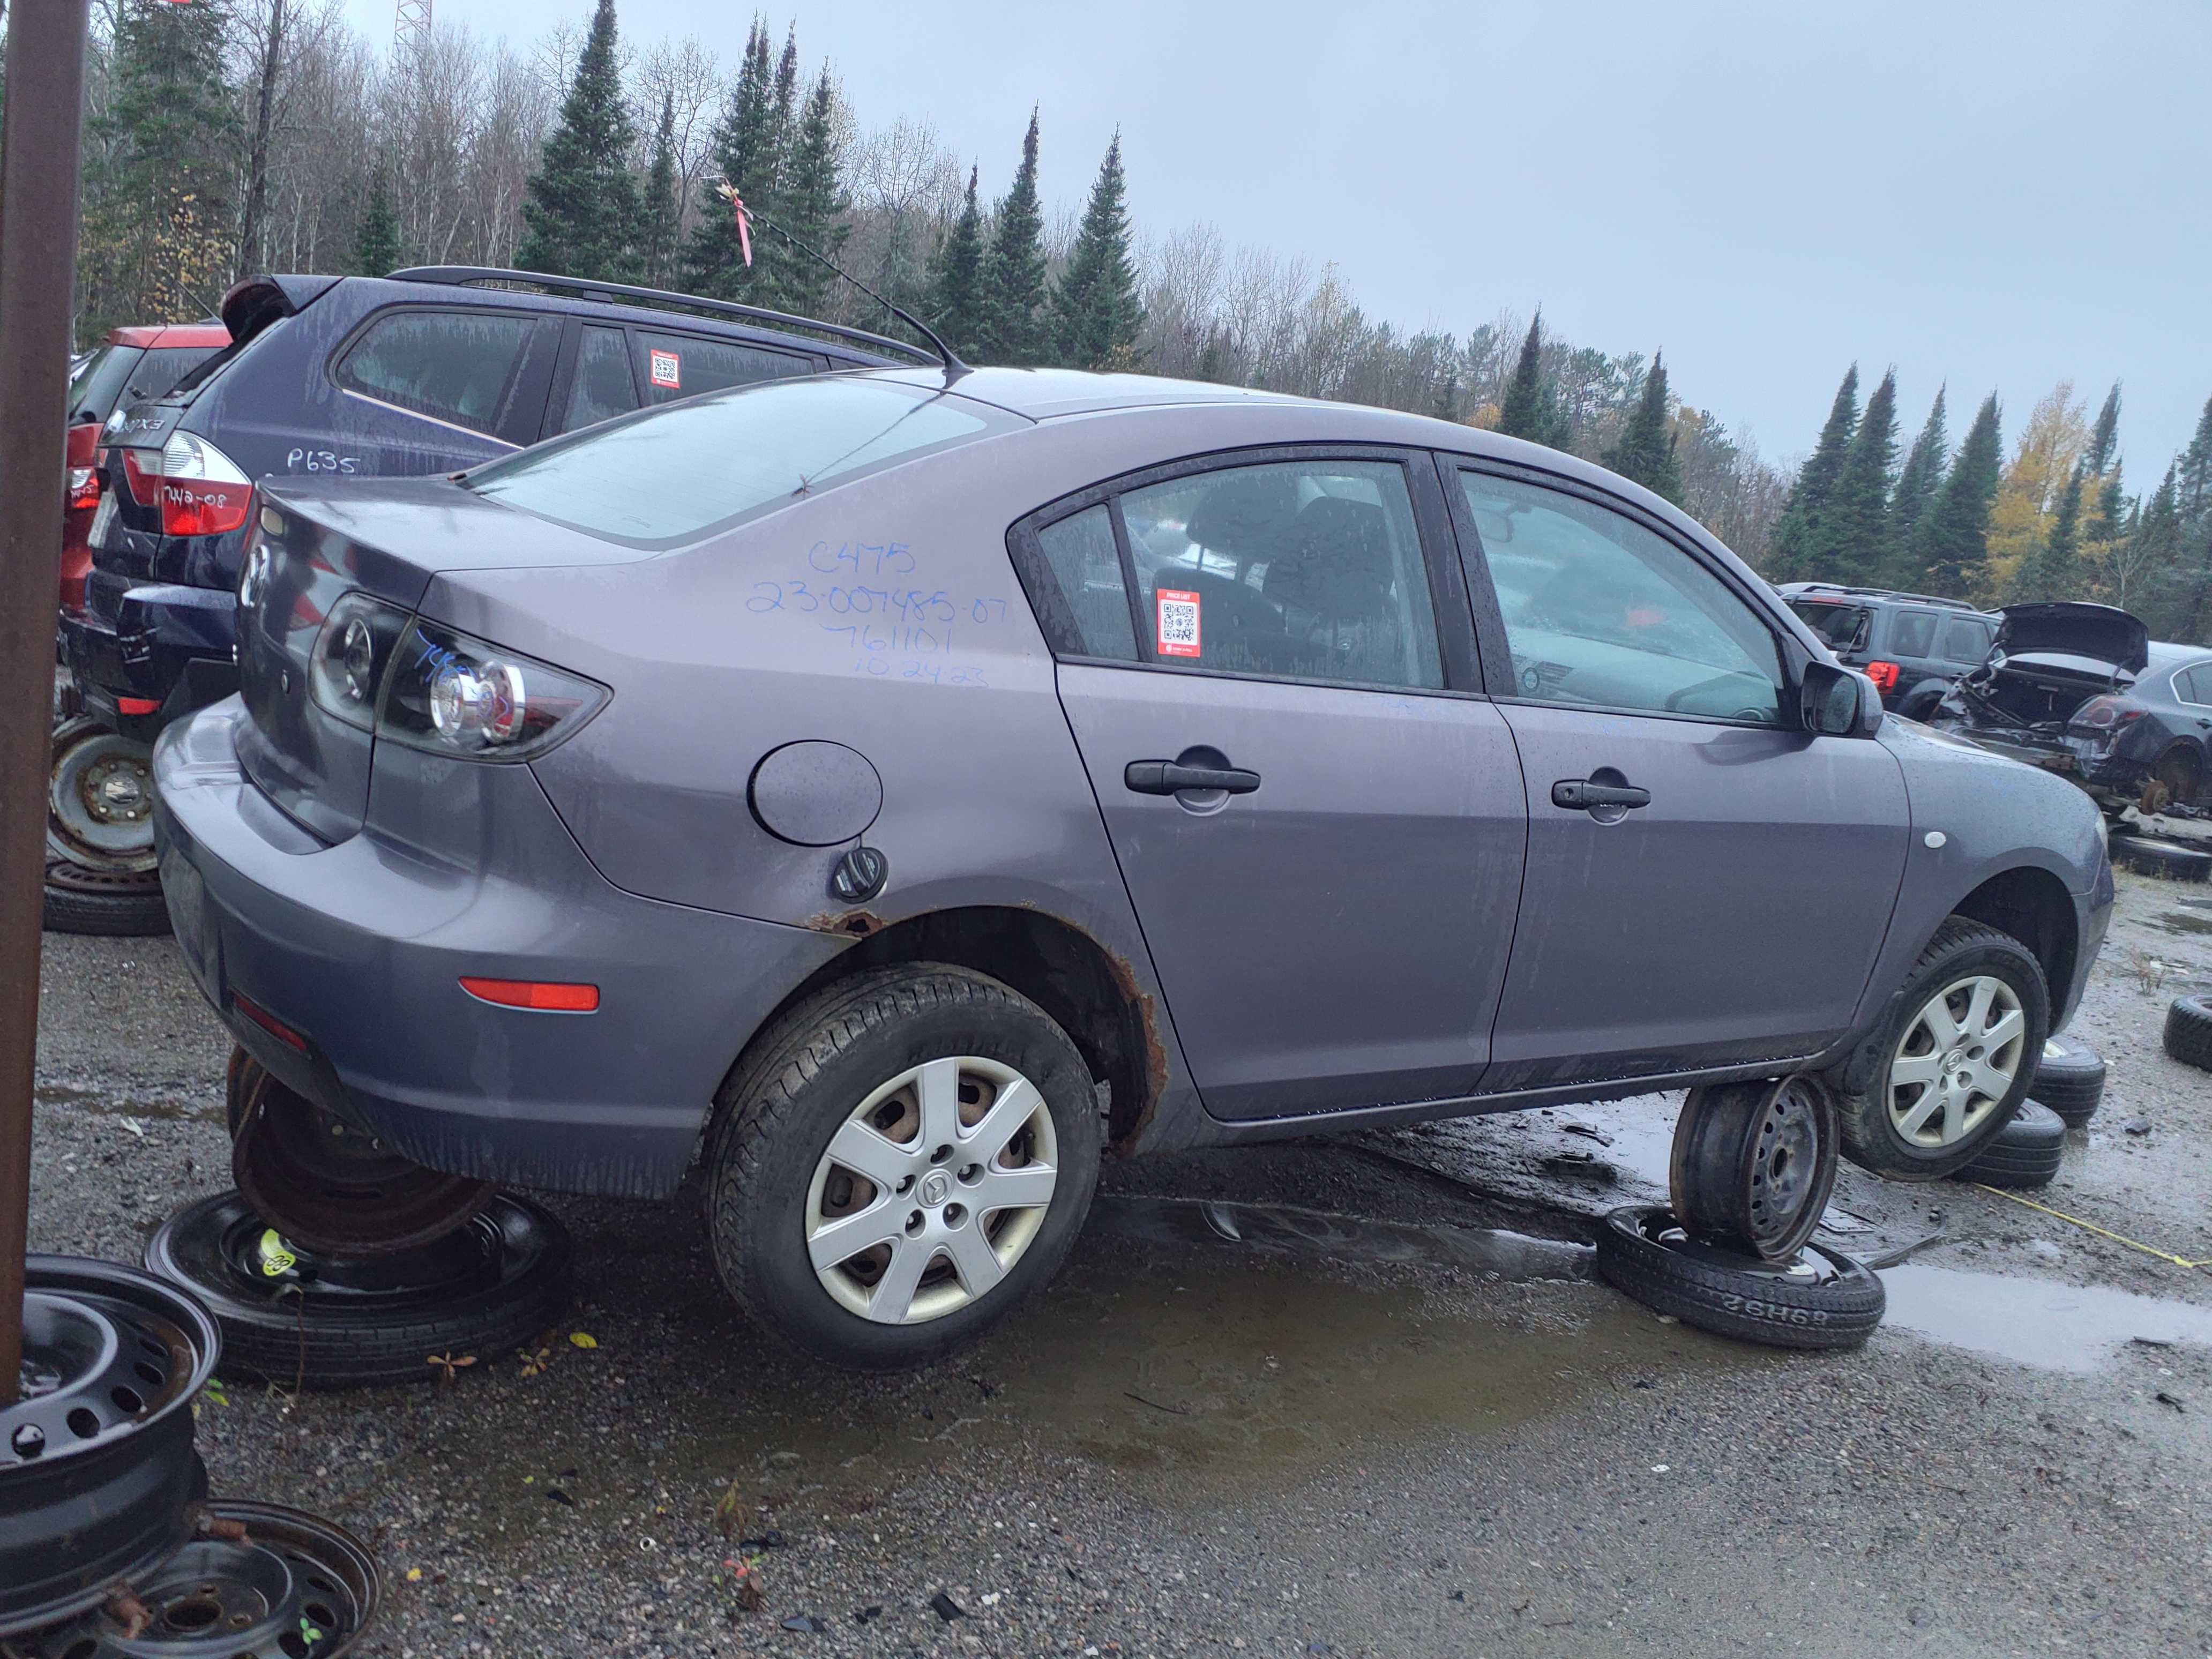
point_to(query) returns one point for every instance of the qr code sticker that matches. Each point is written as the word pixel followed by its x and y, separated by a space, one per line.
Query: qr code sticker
pixel 668 370
pixel 1178 623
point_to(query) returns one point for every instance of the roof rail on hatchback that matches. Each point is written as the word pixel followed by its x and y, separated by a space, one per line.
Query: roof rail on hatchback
pixel 583 288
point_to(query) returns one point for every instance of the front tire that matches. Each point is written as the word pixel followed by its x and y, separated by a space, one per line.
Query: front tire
pixel 1952 1061
pixel 898 1163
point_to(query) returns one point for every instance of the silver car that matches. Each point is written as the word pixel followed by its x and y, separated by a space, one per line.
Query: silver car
pixel 892 790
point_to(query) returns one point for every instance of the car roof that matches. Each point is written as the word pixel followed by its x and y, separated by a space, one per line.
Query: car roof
pixel 206 336
pixel 2164 653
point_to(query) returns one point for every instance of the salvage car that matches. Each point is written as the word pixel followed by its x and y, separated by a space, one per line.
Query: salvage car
pixel 430 369
pixel 1911 646
pixel 2082 691
pixel 891 791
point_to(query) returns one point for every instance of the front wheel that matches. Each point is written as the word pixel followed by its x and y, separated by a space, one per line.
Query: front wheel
pixel 1953 1061
pixel 898 1163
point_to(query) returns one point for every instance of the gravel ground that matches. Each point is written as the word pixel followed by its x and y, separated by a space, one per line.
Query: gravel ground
pixel 1407 1438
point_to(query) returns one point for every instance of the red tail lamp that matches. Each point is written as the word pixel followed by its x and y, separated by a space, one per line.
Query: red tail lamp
pixel 540 996
pixel 1884 676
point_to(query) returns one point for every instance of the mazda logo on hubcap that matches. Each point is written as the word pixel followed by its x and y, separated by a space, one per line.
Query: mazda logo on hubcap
pixel 935 1189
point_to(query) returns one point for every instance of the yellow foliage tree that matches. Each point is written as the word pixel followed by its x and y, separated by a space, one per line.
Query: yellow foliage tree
pixel 2057 433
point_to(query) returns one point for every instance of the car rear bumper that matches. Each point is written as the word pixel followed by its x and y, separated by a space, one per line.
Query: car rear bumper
pixel 168 652
pixel 2106 774
pixel 357 951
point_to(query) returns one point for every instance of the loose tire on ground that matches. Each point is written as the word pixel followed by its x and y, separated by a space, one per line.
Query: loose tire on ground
pixel 2149 855
pixel 2189 1031
pixel 500 1281
pixel 2026 1152
pixel 811 1078
pixel 1823 1299
pixel 1962 950
pixel 80 901
pixel 2070 1078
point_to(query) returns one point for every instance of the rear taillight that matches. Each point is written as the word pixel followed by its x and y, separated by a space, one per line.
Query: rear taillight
pixel 2104 714
pixel 203 491
pixel 141 471
pixel 431 688
pixel 1883 674
pixel 83 458
pixel 83 487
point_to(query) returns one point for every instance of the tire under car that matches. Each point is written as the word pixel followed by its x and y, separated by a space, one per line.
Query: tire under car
pixel 295 1319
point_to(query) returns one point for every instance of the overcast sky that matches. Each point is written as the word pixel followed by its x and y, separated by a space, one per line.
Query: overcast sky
pixel 1998 196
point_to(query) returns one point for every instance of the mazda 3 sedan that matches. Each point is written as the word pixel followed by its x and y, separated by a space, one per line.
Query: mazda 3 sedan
pixel 891 791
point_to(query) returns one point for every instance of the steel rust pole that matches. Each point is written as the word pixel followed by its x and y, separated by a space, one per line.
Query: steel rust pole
pixel 39 152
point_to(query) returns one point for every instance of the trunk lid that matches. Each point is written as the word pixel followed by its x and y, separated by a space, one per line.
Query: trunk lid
pixel 315 545
pixel 2099 633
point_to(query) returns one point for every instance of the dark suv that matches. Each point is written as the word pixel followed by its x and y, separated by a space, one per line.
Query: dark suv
pixel 1911 646
pixel 420 373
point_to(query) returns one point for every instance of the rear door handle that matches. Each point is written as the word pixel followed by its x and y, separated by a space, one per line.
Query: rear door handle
pixel 1159 777
pixel 1580 795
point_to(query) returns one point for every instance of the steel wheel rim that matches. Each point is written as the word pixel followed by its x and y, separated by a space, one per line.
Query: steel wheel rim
pixel 932 1190
pixel 1956 1061
pixel 1785 1162
pixel 99 800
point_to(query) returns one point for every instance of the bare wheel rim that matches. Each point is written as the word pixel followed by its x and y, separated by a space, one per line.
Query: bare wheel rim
pixel 1956 1061
pixel 932 1189
pixel 99 800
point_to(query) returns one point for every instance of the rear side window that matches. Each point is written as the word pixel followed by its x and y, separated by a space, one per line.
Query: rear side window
pixel 672 366
pixel 160 370
pixel 602 388
pixel 97 385
pixel 663 477
pixel 1912 632
pixel 1963 640
pixel 461 367
pixel 1086 568
pixel 2194 684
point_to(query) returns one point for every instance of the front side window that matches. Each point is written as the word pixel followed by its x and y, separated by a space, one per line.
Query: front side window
pixel 1602 612
pixel 459 367
pixel 672 366
pixel 666 475
pixel 1306 570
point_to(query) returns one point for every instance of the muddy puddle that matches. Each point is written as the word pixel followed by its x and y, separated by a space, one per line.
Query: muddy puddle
pixel 2035 1321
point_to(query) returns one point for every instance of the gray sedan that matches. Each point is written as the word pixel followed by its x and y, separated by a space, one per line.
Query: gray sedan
pixel 893 789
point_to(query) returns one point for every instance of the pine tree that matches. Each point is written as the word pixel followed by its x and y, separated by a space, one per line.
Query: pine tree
pixel 663 205
pixel 1802 547
pixel 1645 453
pixel 955 279
pixel 2052 572
pixel 581 217
pixel 2103 490
pixel 1095 313
pixel 1013 272
pixel 2143 562
pixel 1950 544
pixel 1446 406
pixel 783 108
pixel 744 153
pixel 376 237
pixel 2193 471
pixel 1531 408
pixel 160 184
pixel 1857 520
pixel 1916 484
pixel 810 204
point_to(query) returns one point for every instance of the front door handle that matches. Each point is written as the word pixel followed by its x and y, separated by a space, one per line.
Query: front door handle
pixel 1580 795
pixel 1159 777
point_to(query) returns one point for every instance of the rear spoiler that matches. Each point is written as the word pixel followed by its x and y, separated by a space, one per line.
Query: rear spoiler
pixel 254 302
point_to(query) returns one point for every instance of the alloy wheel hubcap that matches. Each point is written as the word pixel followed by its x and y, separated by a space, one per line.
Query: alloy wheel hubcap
pixel 1958 1059
pixel 932 1190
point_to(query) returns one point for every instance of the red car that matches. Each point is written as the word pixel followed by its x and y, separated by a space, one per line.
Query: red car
pixel 98 879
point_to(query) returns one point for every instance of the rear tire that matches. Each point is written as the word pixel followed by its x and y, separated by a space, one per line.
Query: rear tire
pixel 1821 1299
pixel 1873 1119
pixel 2025 1152
pixel 885 1068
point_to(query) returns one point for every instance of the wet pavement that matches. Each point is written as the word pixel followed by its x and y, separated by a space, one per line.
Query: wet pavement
pixel 1351 1397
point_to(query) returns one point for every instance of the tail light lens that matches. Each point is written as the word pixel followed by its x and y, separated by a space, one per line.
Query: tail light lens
pixel 84 487
pixel 2104 714
pixel 1883 674
pixel 203 492
pixel 431 687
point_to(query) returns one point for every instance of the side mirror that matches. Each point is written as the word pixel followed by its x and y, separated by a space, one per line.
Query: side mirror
pixel 1838 702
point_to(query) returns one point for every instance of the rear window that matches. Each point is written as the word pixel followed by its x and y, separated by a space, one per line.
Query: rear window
pixel 99 381
pixel 1840 626
pixel 160 370
pixel 666 475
